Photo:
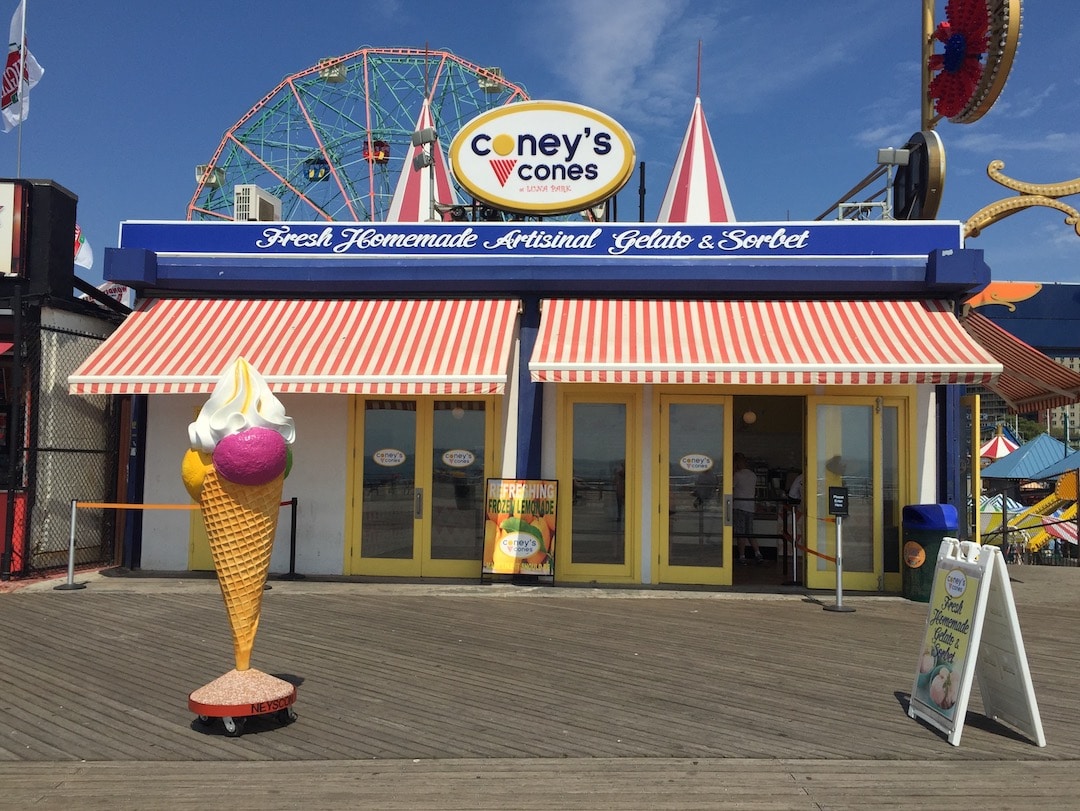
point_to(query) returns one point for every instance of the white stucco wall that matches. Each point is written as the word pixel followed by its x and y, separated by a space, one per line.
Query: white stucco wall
pixel 317 480
pixel 926 447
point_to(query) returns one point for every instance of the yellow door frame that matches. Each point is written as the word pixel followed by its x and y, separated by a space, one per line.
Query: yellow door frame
pixel 822 526
pixel 666 571
pixel 974 445
pixel 420 564
pixel 567 395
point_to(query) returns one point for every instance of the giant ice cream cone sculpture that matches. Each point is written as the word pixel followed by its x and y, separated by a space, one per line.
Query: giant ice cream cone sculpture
pixel 240 523
pixel 235 469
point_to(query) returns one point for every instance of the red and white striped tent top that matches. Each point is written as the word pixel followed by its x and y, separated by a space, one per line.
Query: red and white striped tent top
pixel 412 196
pixel 696 191
pixel 998 447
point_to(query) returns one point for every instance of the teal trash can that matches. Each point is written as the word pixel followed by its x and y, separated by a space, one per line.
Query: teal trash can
pixel 923 528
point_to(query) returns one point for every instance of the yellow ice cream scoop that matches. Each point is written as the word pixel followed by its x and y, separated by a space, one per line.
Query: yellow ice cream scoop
pixel 193 470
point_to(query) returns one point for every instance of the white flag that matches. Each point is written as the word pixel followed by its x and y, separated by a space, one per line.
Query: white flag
pixel 84 254
pixel 118 292
pixel 19 76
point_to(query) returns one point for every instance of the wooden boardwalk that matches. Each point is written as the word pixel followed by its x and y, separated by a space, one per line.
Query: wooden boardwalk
pixel 476 697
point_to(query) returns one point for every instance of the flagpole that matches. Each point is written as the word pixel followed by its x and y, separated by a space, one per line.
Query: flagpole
pixel 22 72
pixel 697 91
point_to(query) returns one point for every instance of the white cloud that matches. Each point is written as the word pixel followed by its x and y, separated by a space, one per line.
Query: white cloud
pixel 1047 142
pixel 607 50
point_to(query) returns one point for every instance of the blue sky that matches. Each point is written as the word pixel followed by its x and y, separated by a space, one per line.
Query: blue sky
pixel 799 96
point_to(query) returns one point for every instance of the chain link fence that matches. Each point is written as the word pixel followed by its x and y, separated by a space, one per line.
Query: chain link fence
pixel 70 453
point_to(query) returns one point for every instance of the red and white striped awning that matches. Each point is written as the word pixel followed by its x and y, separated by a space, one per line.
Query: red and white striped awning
pixel 1031 381
pixel 407 346
pixel 756 342
pixel 696 191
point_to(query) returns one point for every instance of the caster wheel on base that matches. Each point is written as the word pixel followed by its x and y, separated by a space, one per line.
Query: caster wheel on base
pixel 234 727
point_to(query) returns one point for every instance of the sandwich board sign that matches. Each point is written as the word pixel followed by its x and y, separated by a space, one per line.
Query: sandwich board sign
pixel 972 630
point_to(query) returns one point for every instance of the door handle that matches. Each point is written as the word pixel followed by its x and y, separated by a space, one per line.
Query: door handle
pixel 728 507
pixel 418 502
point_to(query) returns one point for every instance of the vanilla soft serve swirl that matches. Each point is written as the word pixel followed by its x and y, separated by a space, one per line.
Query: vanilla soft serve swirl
pixel 241 400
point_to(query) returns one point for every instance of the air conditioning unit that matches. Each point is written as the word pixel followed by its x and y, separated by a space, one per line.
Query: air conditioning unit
pixel 252 204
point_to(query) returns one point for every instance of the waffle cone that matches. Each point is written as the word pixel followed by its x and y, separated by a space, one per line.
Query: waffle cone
pixel 240 524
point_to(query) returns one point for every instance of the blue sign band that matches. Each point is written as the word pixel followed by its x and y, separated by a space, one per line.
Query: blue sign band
pixel 721 241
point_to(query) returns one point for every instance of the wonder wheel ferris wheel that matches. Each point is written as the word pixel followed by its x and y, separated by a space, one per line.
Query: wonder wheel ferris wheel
pixel 331 142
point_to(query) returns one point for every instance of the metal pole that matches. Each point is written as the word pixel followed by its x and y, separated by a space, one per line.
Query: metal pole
pixel 14 431
pixel 292 575
pixel 431 183
pixel 641 191
pixel 19 92
pixel 1005 527
pixel 889 194
pixel 791 517
pixel 839 606
pixel 71 584
pixel 794 546
pixel 927 51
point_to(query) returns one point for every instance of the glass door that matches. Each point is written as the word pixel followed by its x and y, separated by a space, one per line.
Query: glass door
pixel 457 483
pixel 420 474
pixel 695 499
pixel 597 511
pixel 856 446
pixel 388 537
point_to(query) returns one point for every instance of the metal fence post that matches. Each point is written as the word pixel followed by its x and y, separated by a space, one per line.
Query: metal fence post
pixel 71 584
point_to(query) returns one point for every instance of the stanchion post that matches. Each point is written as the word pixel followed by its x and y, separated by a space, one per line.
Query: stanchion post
pixel 838 508
pixel 292 575
pixel 71 584
pixel 791 516
pixel 839 605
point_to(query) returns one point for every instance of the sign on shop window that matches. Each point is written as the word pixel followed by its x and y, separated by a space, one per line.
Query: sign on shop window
pixel 972 629
pixel 519 533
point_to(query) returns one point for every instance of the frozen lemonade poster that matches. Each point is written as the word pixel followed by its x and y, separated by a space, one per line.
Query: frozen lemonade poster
pixel 948 630
pixel 519 533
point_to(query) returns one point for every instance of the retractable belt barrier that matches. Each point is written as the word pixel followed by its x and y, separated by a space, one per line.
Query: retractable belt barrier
pixel 789 535
pixel 828 519
pixel 70 584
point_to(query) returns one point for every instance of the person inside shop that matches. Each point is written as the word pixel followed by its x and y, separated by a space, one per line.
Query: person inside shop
pixel 743 489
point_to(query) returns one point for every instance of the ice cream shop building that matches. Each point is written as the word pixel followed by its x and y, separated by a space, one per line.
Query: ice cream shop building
pixel 627 362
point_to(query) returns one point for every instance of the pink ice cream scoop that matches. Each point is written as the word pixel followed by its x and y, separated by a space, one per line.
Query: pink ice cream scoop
pixel 253 456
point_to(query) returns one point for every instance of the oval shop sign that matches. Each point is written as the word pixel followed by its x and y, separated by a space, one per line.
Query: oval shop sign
pixel 542 157
pixel 388 457
pixel 696 463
